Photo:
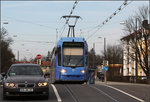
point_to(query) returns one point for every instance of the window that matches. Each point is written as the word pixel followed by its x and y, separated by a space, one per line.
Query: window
pixel 73 54
pixel 73 57
pixel 59 56
pixel 25 70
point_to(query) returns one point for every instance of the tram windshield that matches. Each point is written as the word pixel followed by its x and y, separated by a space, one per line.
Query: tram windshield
pixel 73 55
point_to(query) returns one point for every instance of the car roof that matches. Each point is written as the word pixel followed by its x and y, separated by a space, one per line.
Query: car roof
pixel 25 64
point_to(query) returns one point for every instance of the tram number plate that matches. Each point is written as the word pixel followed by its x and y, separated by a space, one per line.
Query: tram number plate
pixel 26 90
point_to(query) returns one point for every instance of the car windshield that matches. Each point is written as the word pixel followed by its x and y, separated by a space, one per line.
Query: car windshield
pixel 25 70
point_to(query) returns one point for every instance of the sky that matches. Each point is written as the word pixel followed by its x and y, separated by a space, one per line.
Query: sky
pixel 32 24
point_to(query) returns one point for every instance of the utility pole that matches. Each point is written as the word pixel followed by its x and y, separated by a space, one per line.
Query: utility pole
pixel 18 56
pixel 0 48
pixel 56 35
pixel 105 60
pixel 93 55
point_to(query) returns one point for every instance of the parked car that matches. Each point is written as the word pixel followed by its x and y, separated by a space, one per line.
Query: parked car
pixel 25 80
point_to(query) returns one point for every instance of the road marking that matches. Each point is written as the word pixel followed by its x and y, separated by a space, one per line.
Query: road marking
pixel 56 93
pixel 104 93
pixel 125 93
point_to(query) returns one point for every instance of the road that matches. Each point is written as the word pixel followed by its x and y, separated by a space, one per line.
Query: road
pixel 112 92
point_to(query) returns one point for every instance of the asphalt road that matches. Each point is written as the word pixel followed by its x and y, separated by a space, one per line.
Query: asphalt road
pixel 90 93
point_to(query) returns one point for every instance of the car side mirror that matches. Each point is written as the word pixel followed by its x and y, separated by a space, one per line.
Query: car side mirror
pixel 3 74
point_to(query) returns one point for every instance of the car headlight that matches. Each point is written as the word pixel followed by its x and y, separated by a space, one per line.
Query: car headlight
pixel 63 71
pixel 42 84
pixel 82 71
pixel 9 84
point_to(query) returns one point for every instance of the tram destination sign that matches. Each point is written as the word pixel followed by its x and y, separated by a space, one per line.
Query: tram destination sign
pixel 73 44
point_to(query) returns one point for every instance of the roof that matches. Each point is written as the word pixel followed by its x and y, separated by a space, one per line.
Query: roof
pixel 25 64
pixel 131 35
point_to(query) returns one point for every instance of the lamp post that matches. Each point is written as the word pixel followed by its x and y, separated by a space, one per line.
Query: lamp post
pixel 104 58
pixel 5 22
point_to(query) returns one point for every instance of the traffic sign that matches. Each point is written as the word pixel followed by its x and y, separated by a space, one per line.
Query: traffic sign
pixel 105 68
pixel 38 56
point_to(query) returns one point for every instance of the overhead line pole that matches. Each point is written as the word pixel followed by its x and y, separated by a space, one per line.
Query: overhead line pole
pixel 105 59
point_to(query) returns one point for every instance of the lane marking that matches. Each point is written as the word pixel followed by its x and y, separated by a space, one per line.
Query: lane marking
pixel 125 93
pixel 56 93
pixel 104 93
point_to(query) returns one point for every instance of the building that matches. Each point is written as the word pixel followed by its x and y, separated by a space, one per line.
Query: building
pixel 129 50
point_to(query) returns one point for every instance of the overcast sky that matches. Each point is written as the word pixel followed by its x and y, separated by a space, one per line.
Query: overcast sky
pixel 38 20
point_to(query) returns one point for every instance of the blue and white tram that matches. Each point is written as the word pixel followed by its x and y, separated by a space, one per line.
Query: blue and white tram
pixel 70 62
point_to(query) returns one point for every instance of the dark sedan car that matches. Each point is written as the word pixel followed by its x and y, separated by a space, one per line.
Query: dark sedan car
pixel 25 80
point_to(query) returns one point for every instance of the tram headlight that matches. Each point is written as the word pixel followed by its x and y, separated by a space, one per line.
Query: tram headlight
pixel 82 71
pixel 63 71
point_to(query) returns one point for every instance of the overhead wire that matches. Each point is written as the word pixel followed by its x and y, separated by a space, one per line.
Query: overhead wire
pixel 34 41
pixel 24 21
pixel 97 28
pixel 67 20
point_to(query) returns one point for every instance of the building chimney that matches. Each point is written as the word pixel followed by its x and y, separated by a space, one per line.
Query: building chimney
pixel 145 24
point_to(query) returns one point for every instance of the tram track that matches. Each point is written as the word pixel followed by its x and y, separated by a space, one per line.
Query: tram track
pixel 74 97
pixel 102 92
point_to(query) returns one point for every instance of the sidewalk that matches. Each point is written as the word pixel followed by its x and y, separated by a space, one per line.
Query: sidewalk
pixel 119 83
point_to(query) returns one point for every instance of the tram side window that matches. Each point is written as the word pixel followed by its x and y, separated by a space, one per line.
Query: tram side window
pixel 59 56
pixel 86 54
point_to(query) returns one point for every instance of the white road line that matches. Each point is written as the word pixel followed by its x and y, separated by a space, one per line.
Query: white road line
pixel 125 93
pixel 104 93
pixel 56 93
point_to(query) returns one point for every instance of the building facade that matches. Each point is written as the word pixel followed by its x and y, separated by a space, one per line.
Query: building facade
pixel 129 52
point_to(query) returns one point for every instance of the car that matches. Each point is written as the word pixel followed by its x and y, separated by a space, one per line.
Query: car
pixel 25 80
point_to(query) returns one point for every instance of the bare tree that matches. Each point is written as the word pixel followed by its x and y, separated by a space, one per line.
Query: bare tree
pixel 7 57
pixel 137 26
pixel 97 59
pixel 114 54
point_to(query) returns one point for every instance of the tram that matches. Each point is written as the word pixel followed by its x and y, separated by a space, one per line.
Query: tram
pixel 70 60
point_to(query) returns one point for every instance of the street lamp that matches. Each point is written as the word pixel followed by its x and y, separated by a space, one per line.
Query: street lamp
pixel 1 45
pixel 104 57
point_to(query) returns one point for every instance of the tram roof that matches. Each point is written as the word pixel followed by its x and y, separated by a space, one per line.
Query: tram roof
pixel 71 39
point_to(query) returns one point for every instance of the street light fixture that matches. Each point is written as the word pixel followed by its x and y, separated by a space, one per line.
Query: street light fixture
pixel 122 22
